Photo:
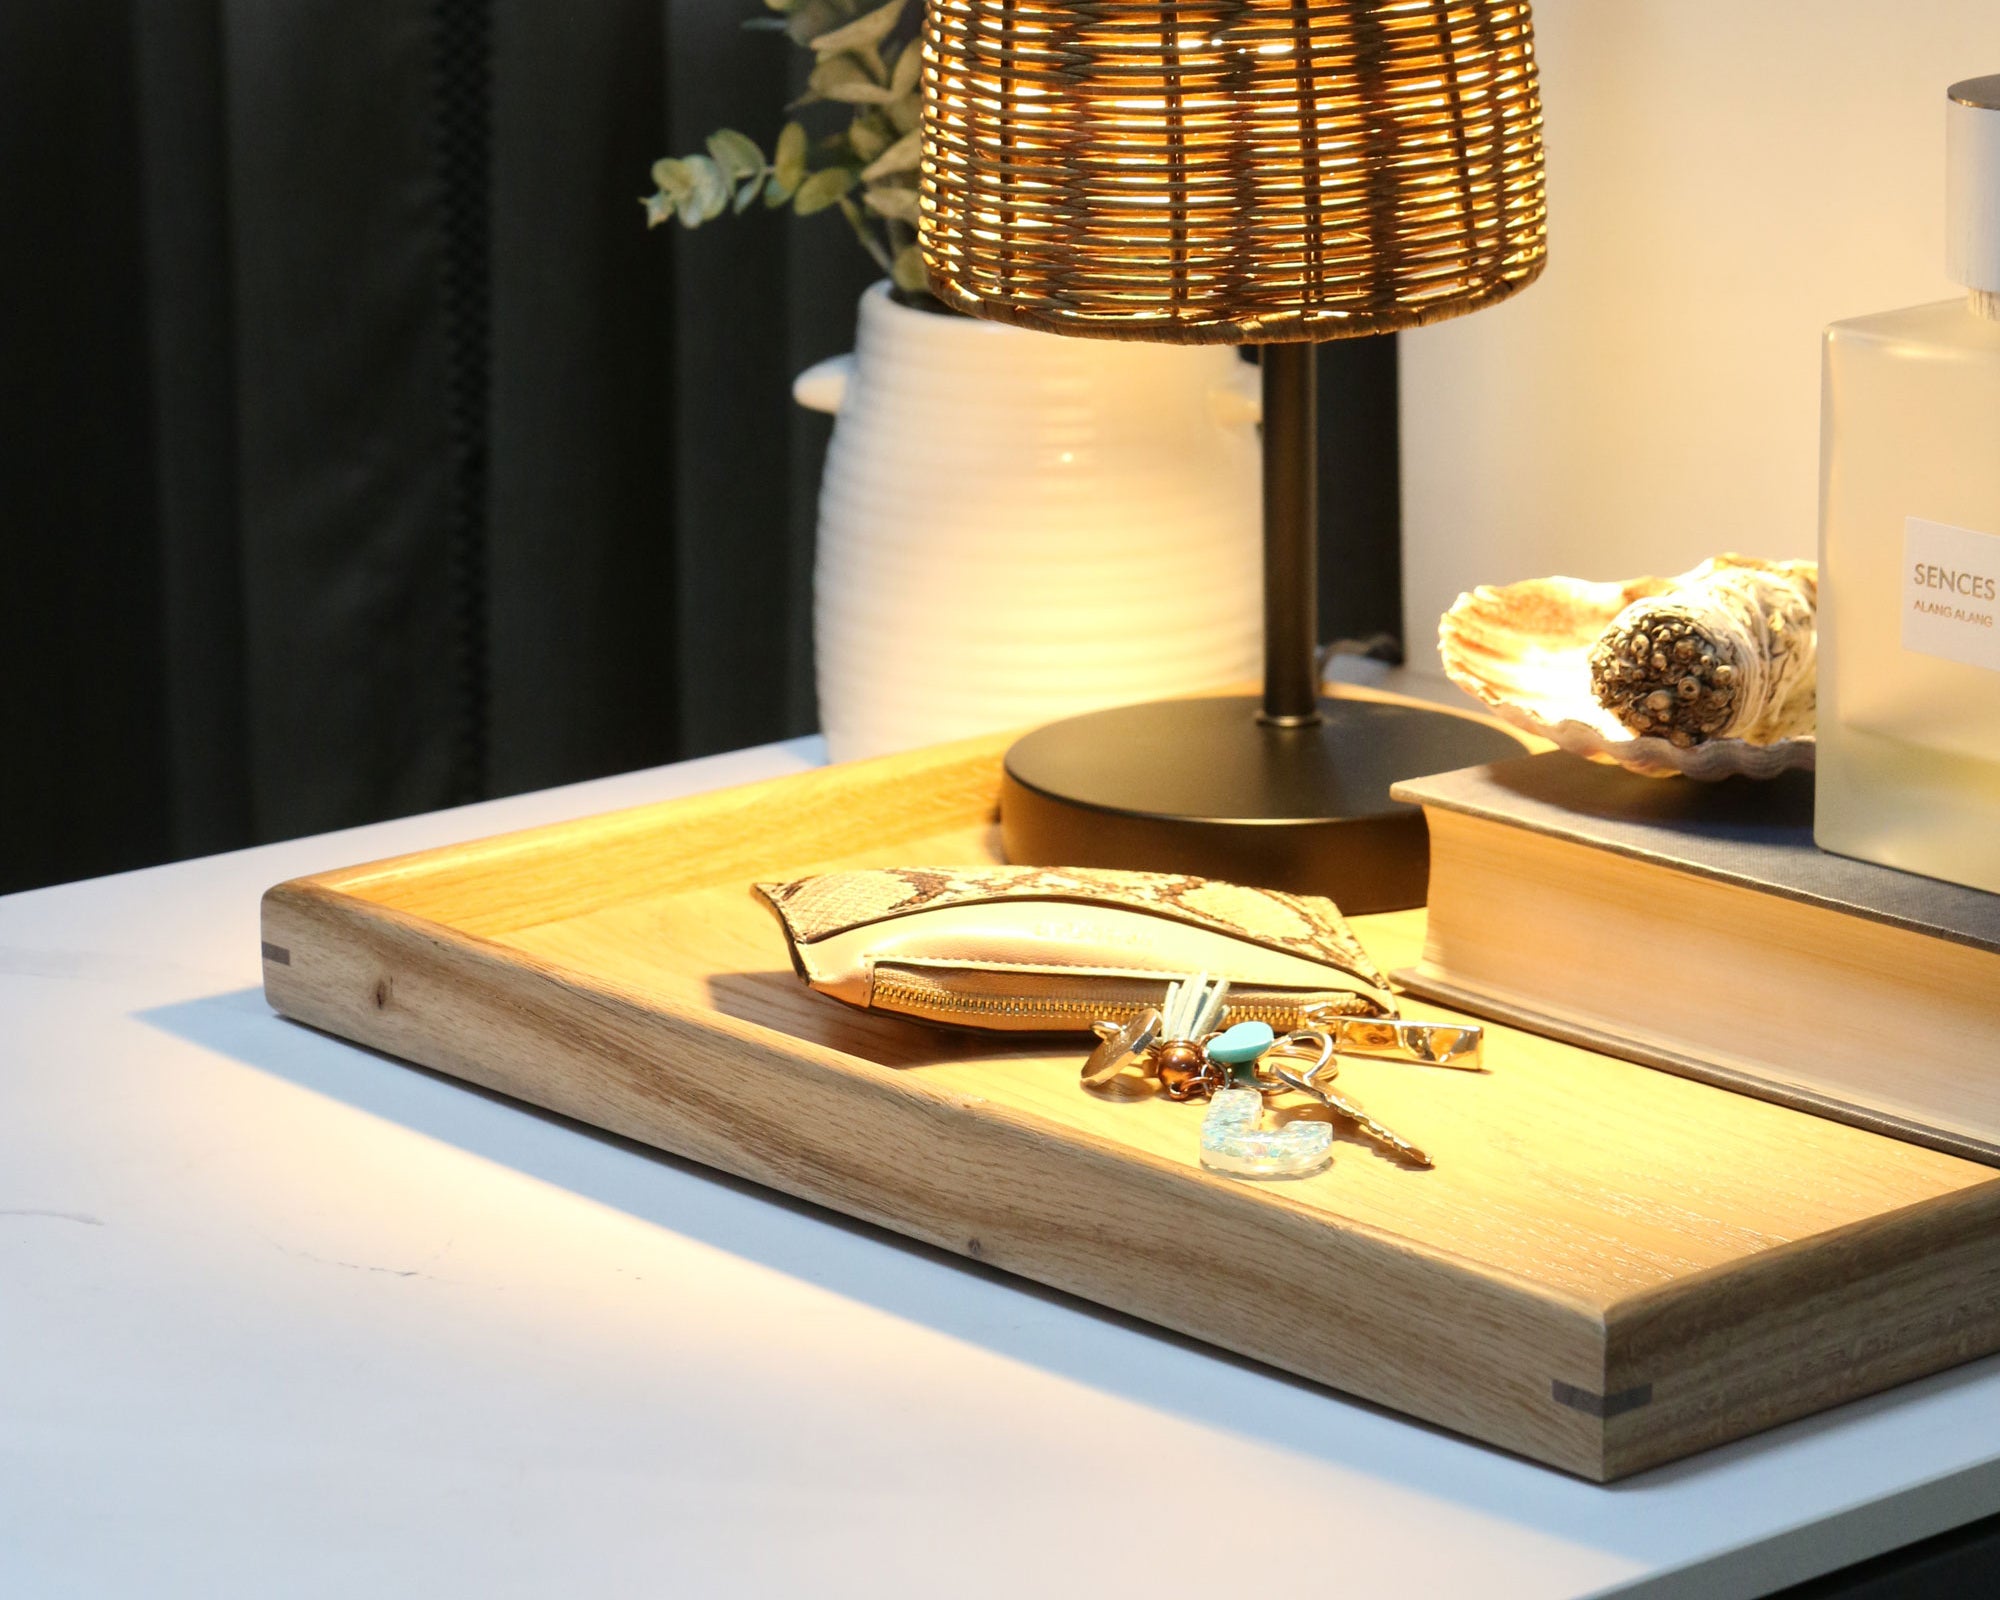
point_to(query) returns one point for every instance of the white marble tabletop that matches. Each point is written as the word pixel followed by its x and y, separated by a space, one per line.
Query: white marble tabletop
pixel 280 1316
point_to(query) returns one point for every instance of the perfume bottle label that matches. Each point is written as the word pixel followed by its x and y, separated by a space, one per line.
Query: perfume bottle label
pixel 1951 593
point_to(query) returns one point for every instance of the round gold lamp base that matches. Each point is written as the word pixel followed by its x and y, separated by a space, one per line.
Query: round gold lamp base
pixel 1202 786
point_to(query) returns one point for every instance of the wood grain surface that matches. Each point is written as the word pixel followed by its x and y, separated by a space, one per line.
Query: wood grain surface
pixel 1609 1267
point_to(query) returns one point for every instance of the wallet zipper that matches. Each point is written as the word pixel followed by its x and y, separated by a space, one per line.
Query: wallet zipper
pixel 934 1002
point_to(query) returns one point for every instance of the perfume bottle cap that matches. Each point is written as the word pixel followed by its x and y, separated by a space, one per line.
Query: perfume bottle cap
pixel 1972 183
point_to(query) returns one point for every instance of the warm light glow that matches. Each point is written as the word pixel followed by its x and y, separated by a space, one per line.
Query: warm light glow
pixel 1230 170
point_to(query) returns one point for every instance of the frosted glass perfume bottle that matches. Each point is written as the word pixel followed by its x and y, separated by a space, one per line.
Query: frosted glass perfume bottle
pixel 1909 605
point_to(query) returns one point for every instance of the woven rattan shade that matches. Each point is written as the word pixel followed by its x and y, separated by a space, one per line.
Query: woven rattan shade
pixel 1229 171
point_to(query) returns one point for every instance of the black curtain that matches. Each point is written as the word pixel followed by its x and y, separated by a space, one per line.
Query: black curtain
pixel 362 452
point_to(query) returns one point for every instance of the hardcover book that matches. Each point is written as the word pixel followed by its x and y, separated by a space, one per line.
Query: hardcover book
pixel 1697 928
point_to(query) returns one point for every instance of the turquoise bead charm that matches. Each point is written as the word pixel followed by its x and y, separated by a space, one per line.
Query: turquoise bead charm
pixel 1241 1044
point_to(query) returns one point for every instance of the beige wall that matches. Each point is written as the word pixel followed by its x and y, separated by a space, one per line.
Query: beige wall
pixel 1725 177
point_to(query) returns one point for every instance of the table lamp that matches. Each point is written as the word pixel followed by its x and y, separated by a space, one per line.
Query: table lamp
pixel 1269 172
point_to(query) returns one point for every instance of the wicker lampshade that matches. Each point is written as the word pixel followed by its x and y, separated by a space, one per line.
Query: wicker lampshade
pixel 1229 171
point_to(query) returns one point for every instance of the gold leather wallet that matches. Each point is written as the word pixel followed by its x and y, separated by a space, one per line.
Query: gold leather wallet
pixel 1055 949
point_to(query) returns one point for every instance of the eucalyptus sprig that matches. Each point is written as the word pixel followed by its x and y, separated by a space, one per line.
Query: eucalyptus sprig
pixel 866 61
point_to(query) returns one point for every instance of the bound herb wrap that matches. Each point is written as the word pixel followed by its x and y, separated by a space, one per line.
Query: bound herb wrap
pixel 1727 653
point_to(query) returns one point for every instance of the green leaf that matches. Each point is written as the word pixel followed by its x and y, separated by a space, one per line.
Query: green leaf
pixel 905 113
pixel 658 209
pixel 735 153
pixel 844 78
pixel 746 196
pixel 811 18
pixel 710 195
pixel 868 136
pixel 780 6
pixel 902 156
pixel 822 189
pixel 909 68
pixel 908 272
pixel 886 200
pixel 864 32
pixel 675 178
pixel 788 162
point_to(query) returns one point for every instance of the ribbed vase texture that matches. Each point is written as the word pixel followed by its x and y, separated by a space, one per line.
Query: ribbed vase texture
pixel 1016 527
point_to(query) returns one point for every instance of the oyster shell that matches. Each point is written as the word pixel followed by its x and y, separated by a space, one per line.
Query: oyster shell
pixel 1523 651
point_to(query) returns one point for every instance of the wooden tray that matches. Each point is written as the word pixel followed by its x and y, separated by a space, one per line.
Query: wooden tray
pixel 1609 1268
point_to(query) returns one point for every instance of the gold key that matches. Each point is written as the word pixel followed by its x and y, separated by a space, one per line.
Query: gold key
pixel 1368 1127
pixel 1308 1082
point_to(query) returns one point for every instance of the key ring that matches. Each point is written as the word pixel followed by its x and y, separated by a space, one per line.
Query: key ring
pixel 1288 1045
pixel 1306 1083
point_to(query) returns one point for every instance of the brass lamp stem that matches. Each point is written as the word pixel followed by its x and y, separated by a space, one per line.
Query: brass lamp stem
pixel 1291 536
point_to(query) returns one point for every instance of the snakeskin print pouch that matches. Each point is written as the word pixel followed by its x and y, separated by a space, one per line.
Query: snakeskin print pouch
pixel 1055 949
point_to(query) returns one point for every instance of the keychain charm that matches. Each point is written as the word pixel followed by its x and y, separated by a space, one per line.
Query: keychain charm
pixel 1119 1047
pixel 1177 1045
pixel 1427 1044
pixel 1234 1141
pixel 1192 1012
pixel 1233 1138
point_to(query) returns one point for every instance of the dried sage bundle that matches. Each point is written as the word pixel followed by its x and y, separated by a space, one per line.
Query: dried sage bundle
pixel 1726 652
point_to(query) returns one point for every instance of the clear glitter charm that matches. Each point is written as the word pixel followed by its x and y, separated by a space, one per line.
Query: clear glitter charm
pixel 1234 1141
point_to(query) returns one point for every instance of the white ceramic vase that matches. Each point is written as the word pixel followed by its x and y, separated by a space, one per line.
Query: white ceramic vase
pixel 1016 527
